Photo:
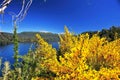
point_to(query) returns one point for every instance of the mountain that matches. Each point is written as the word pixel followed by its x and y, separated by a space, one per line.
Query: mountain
pixel 110 34
pixel 49 37
pixel 7 38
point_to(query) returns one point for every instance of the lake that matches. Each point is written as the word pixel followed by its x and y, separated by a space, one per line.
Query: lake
pixel 6 52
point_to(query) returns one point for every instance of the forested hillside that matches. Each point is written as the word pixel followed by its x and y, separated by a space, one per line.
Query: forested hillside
pixel 30 36
pixel 111 34
pixel 7 38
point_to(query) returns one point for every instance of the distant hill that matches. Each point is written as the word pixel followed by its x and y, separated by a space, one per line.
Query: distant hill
pixel 49 37
pixel 7 38
pixel 110 34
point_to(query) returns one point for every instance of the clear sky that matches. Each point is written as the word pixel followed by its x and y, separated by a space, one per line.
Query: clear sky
pixel 52 15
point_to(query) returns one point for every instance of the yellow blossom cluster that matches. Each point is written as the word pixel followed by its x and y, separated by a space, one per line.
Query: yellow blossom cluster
pixel 80 58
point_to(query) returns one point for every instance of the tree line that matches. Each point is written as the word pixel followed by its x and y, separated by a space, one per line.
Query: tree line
pixel 110 34
pixel 7 38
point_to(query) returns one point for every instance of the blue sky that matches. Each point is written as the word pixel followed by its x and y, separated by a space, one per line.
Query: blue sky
pixel 52 15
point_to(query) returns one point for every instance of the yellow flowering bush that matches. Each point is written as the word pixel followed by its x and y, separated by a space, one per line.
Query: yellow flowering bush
pixel 80 58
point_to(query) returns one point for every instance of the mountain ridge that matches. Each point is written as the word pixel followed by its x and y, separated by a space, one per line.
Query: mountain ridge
pixel 7 38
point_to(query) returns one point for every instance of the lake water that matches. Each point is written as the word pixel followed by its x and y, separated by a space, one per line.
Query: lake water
pixel 6 52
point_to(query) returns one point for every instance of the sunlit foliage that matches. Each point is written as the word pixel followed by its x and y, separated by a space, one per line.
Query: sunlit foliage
pixel 47 58
pixel 6 70
pixel 81 58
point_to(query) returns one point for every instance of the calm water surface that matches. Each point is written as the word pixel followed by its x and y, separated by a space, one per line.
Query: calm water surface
pixel 6 52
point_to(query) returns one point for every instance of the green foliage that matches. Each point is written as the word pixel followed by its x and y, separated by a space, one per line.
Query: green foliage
pixel 29 65
pixel 15 40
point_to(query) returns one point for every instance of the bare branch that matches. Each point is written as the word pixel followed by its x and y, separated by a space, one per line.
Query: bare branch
pixel 26 9
pixel 23 12
pixel 4 5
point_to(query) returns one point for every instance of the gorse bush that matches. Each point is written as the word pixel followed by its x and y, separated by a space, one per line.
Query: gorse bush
pixel 79 57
